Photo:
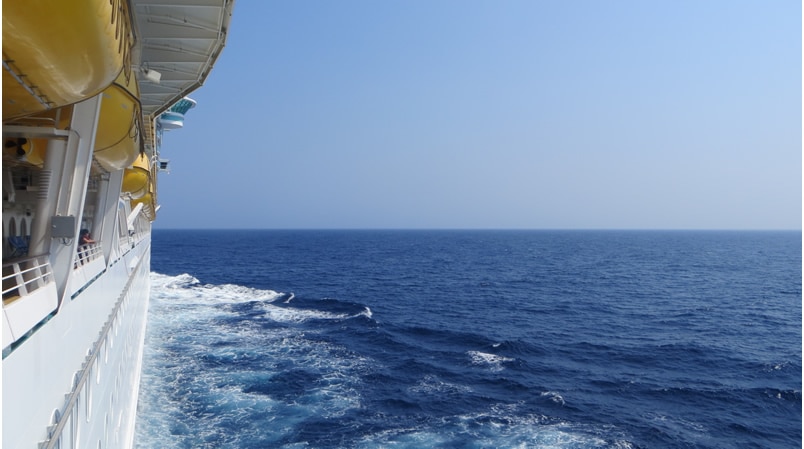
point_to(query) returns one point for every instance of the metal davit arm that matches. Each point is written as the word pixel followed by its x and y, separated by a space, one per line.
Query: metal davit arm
pixel 103 226
pixel 68 166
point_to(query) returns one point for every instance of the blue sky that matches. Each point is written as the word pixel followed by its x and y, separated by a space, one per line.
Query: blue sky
pixel 661 114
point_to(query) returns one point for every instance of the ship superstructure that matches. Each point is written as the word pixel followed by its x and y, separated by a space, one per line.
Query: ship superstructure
pixel 84 85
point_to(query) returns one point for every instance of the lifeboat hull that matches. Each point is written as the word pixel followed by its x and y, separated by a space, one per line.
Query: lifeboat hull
pixel 117 141
pixel 137 178
pixel 59 52
pixel 148 199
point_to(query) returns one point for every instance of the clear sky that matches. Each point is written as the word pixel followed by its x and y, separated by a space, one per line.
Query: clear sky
pixel 598 114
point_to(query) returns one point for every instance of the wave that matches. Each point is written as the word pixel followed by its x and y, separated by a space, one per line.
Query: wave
pixel 554 396
pixel 432 384
pixel 301 315
pixel 185 287
pixel 437 337
pixel 294 315
pixel 493 361
pixel 217 375
pixel 517 348
pixel 500 426
pixel 213 375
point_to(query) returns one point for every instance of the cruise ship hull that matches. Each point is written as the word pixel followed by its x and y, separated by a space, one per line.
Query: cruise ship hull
pixel 97 336
pixel 85 84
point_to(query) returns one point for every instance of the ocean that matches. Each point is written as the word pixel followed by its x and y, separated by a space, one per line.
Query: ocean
pixel 473 339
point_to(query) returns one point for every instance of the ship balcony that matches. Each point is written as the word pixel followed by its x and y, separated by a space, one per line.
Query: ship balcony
pixel 29 296
pixel 88 264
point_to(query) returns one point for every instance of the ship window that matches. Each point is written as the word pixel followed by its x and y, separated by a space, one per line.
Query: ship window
pixel 12 227
pixel 24 227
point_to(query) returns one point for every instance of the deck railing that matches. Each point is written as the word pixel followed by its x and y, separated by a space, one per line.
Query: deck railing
pixel 87 253
pixel 24 276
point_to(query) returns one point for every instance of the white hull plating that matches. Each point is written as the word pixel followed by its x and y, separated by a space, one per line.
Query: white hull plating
pixel 83 364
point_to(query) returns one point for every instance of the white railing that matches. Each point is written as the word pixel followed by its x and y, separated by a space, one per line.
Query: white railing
pixel 24 276
pixel 87 253
pixel 124 243
pixel 29 296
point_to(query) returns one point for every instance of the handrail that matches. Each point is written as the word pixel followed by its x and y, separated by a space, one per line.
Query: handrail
pixel 54 437
pixel 39 268
pixel 87 253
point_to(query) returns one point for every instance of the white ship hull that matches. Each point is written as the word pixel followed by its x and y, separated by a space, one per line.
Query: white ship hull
pixel 85 83
pixel 98 337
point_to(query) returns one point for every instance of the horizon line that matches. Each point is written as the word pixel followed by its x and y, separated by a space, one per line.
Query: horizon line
pixel 478 229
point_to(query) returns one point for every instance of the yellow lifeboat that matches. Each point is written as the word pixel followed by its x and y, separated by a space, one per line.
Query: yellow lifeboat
pixel 117 142
pixel 148 200
pixel 137 177
pixel 59 52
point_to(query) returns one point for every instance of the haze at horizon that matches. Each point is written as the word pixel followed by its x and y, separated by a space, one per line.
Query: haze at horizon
pixel 512 114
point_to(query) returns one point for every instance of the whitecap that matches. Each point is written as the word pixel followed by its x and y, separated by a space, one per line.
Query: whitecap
pixel 292 315
pixel 173 282
pixel 185 287
pixel 494 361
pixel 554 396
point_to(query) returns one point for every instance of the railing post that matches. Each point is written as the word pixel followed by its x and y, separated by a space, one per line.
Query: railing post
pixel 37 272
pixel 23 289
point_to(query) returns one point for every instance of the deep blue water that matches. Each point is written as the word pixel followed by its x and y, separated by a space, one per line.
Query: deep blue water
pixel 473 339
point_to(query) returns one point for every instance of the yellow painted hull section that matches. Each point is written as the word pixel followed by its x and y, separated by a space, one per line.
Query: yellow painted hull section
pixel 117 142
pixel 58 52
pixel 137 178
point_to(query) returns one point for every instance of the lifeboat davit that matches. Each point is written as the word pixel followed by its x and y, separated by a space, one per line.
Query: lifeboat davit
pixel 59 52
pixel 137 177
pixel 117 141
pixel 147 201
